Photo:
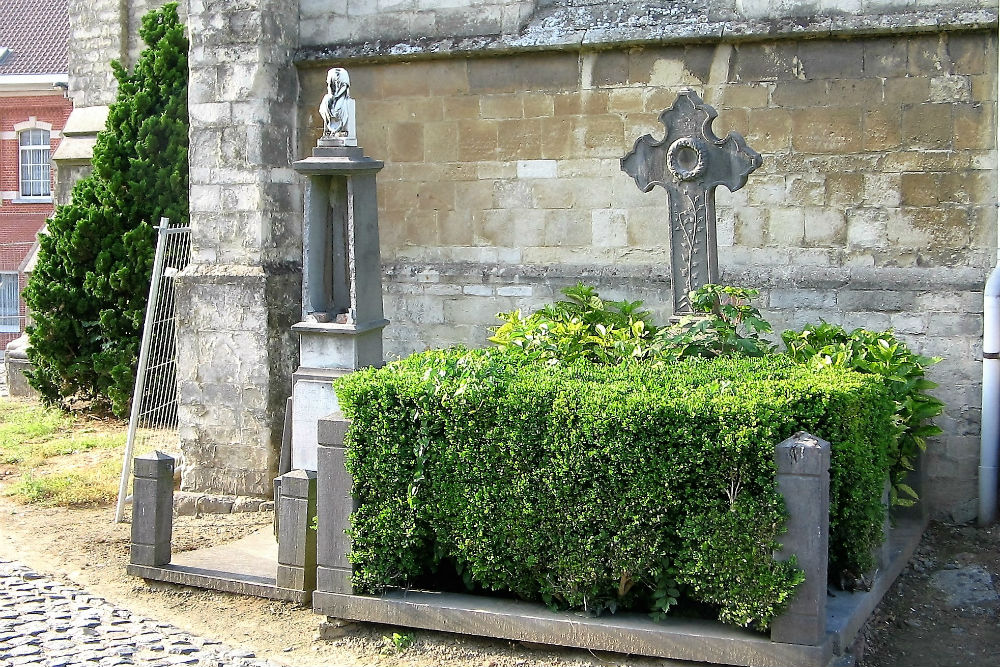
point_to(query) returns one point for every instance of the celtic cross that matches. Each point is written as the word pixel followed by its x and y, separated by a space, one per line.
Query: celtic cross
pixel 689 163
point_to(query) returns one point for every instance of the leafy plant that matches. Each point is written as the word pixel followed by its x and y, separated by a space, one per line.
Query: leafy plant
pixel 610 332
pixel 584 326
pixel 665 590
pixel 879 353
pixel 725 324
pixel 398 642
pixel 87 294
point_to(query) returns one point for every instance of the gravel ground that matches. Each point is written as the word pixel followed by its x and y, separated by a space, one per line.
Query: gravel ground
pixel 52 624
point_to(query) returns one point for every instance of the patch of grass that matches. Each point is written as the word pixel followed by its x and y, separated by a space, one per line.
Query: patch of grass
pixel 23 423
pixel 59 459
pixel 97 485
pixel 33 454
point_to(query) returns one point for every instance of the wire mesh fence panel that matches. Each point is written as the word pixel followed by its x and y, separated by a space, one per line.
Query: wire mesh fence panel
pixel 153 421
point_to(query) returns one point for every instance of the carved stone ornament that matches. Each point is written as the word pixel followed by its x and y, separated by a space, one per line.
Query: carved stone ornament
pixel 689 162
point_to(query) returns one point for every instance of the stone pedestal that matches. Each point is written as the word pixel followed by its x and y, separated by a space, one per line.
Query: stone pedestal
pixel 342 321
pixel 16 364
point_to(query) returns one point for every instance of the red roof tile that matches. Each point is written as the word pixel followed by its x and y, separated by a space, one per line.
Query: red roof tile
pixel 36 32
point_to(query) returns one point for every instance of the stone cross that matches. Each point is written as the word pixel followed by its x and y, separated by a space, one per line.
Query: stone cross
pixel 689 163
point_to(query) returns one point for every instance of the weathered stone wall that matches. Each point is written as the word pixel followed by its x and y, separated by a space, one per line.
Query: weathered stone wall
pixel 874 207
pixel 239 298
pixel 405 27
pixel 361 20
pixel 102 31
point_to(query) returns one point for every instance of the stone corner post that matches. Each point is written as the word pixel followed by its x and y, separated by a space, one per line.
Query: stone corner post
pixel 296 538
pixel 152 509
pixel 804 481
pixel 335 503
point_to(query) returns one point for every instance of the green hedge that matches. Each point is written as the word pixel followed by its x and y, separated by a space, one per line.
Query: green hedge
pixel 603 487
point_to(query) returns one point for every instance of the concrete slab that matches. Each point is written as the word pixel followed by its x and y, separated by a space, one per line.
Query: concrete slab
pixel 247 567
pixel 970 586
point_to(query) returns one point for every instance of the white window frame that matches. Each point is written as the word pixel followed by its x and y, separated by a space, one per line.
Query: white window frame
pixel 36 156
pixel 10 291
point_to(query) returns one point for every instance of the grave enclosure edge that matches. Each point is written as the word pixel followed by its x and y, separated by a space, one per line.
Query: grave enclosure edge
pixel 804 635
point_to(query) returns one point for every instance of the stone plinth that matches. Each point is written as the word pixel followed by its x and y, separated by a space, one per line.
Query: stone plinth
pixel 342 317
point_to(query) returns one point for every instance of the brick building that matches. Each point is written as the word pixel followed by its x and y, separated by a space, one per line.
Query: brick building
pixel 33 112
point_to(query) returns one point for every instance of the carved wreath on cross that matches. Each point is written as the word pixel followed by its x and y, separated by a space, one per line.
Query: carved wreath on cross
pixel 679 154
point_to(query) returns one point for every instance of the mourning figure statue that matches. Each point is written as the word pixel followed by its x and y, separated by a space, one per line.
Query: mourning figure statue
pixel 336 107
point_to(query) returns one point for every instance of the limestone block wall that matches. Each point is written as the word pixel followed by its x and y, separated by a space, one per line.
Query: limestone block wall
pixel 874 206
pixel 238 299
pixel 102 31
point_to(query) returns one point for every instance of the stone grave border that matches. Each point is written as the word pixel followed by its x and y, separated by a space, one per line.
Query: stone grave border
pixel 815 631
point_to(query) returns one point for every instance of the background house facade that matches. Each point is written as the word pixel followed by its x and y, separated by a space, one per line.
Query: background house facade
pixel 33 111
pixel 501 125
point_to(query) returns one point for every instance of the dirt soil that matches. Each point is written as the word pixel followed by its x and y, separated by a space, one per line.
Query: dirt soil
pixel 943 610
pixel 915 626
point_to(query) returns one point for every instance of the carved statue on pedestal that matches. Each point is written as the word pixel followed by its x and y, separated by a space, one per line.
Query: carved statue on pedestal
pixel 337 108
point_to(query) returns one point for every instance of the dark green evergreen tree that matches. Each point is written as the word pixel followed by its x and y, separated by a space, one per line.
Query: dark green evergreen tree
pixel 88 292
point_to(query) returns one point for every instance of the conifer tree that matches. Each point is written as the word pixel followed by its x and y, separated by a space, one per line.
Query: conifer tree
pixel 88 292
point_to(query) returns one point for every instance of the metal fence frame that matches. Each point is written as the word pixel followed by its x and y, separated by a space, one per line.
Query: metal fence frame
pixel 154 400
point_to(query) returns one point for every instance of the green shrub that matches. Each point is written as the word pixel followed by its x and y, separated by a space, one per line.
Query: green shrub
pixel 600 487
pixel 880 353
pixel 87 294
pixel 724 324
pixel 584 326
pixel 611 332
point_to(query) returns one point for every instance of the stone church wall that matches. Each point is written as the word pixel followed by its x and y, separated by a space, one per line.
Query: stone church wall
pixel 501 125
pixel 104 30
pixel 874 207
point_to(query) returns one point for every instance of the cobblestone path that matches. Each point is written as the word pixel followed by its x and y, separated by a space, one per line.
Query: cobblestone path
pixel 50 624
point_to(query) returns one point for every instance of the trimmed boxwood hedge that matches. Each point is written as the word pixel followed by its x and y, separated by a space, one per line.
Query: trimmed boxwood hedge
pixel 604 487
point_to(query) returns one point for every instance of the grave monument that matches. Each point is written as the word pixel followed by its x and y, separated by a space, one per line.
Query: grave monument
pixel 342 321
pixel 689 163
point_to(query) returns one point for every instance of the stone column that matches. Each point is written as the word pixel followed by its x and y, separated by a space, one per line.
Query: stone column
pixel 239 297
pixel 804 481
pixel 334 505
pixel 152 509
